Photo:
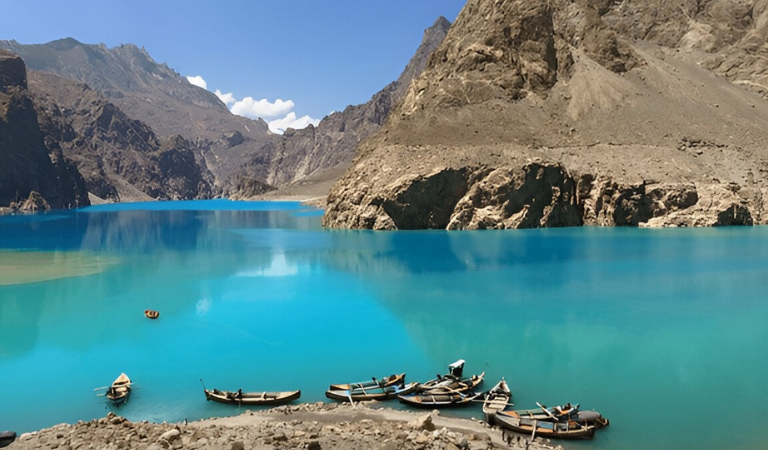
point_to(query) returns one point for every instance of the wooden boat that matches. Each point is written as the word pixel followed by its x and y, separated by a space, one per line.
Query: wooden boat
pixel 452 381
pixel 391 380
pixel 7 437
pixel 496 400
pixel 439 400
pixel 120 390
pixel 151 314
pixel 563 413
pixel 251 398
pixel 372 393
pixel 448 386
pixel 566 429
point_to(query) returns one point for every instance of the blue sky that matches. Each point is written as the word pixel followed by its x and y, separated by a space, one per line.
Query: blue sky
pixel 317 56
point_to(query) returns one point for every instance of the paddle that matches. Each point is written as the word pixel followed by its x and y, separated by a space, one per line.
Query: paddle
pixel 546 411
pixel 100 388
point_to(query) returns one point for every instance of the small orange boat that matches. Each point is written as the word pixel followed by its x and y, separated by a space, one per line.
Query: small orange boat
pixel 151 314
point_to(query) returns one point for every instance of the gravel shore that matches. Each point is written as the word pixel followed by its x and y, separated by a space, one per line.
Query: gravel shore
pixel 311 426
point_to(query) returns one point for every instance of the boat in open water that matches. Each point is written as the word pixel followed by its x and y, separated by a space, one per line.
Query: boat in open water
pixel 372 393
pixel 120 390
pixel 391 380
pixel 496 400
pixel 241 398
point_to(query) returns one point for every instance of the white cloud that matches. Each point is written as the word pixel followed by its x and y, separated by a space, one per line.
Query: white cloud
pixel 198 81
pixel 290 121
pixel 227 98
pixel 280 111
pixel 254 109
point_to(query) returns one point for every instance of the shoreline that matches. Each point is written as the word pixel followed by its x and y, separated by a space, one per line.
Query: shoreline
pixel 312 426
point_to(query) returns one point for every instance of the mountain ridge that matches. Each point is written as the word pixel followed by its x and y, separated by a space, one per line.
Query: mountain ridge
pixel 546 114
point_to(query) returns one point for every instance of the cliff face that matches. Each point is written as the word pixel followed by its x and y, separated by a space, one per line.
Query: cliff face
pixel 552 114
pixel 127 77
pixel 34 174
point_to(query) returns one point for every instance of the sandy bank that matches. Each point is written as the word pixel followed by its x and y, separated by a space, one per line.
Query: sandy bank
pixel 305 426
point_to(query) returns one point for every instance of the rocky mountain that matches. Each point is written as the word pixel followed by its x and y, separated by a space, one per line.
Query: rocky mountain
pixel 120 158
pixel 34 173
pixel 242 158
pixel 318 154
pixel 158 96
pixel 566 113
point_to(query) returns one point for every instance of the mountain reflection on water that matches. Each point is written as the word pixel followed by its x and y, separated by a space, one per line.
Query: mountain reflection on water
pixel 260 296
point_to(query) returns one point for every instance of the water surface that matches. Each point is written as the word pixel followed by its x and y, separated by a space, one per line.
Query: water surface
pixel 656 329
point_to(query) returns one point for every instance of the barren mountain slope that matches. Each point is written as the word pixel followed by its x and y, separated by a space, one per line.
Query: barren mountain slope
pixel 534 114
pixel 305 159
pixel 120 158
pixel 34 174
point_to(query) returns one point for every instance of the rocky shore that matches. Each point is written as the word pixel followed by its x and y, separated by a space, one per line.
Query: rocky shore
pixel 305 426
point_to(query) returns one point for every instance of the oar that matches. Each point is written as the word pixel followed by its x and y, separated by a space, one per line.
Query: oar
pixel 546 411
pixel 100 388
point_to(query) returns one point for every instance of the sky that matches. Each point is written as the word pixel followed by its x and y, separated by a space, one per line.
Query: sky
pixel 291 62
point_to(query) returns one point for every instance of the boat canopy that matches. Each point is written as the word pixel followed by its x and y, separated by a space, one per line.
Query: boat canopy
pixel 457 368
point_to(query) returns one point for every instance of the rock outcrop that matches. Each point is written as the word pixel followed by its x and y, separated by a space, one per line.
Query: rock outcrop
pixel 34 173
pixel 552 114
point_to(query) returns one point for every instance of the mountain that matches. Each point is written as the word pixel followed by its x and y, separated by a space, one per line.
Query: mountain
pixel 120 158
pixel 568 113
pixel 158 96
pixel 317 155
pixel 34 174
pixel 237 157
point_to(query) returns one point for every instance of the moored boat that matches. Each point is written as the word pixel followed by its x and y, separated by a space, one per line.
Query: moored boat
pixel 7 437
pixel 372 393
pixel 251 398
pixel 391 380
pixel 120 390
pixel 439 400
pixel 566 429
pixel 562 413
pixel 453 381
pixel 151 314
pixel 496 400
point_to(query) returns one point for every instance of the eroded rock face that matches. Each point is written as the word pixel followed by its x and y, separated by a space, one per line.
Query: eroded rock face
pixel 553 114
pixel 34 174
pixel 534 195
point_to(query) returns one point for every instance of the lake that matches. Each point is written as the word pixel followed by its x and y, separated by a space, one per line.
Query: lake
pixel 665 332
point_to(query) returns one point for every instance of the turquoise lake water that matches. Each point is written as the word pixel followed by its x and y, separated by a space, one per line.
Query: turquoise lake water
pixel 665 332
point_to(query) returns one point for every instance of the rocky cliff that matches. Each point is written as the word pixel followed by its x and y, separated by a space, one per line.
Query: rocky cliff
pixel 120 158
pixel 34 174
pixel 243 158
pixel 538 114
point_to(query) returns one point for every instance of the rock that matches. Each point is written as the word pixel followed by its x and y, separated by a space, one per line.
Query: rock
pixel 423 423
pixel 313 445
pixel 238 445
pixel 13 71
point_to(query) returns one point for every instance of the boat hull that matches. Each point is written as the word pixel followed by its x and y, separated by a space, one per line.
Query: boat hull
pixel 251 398
pixel 7 437
pixel 544 428
pixel 428 400
pixel 391 380
pixel 362 395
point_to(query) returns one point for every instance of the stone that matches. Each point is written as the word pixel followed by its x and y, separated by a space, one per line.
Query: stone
pixel 423 423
